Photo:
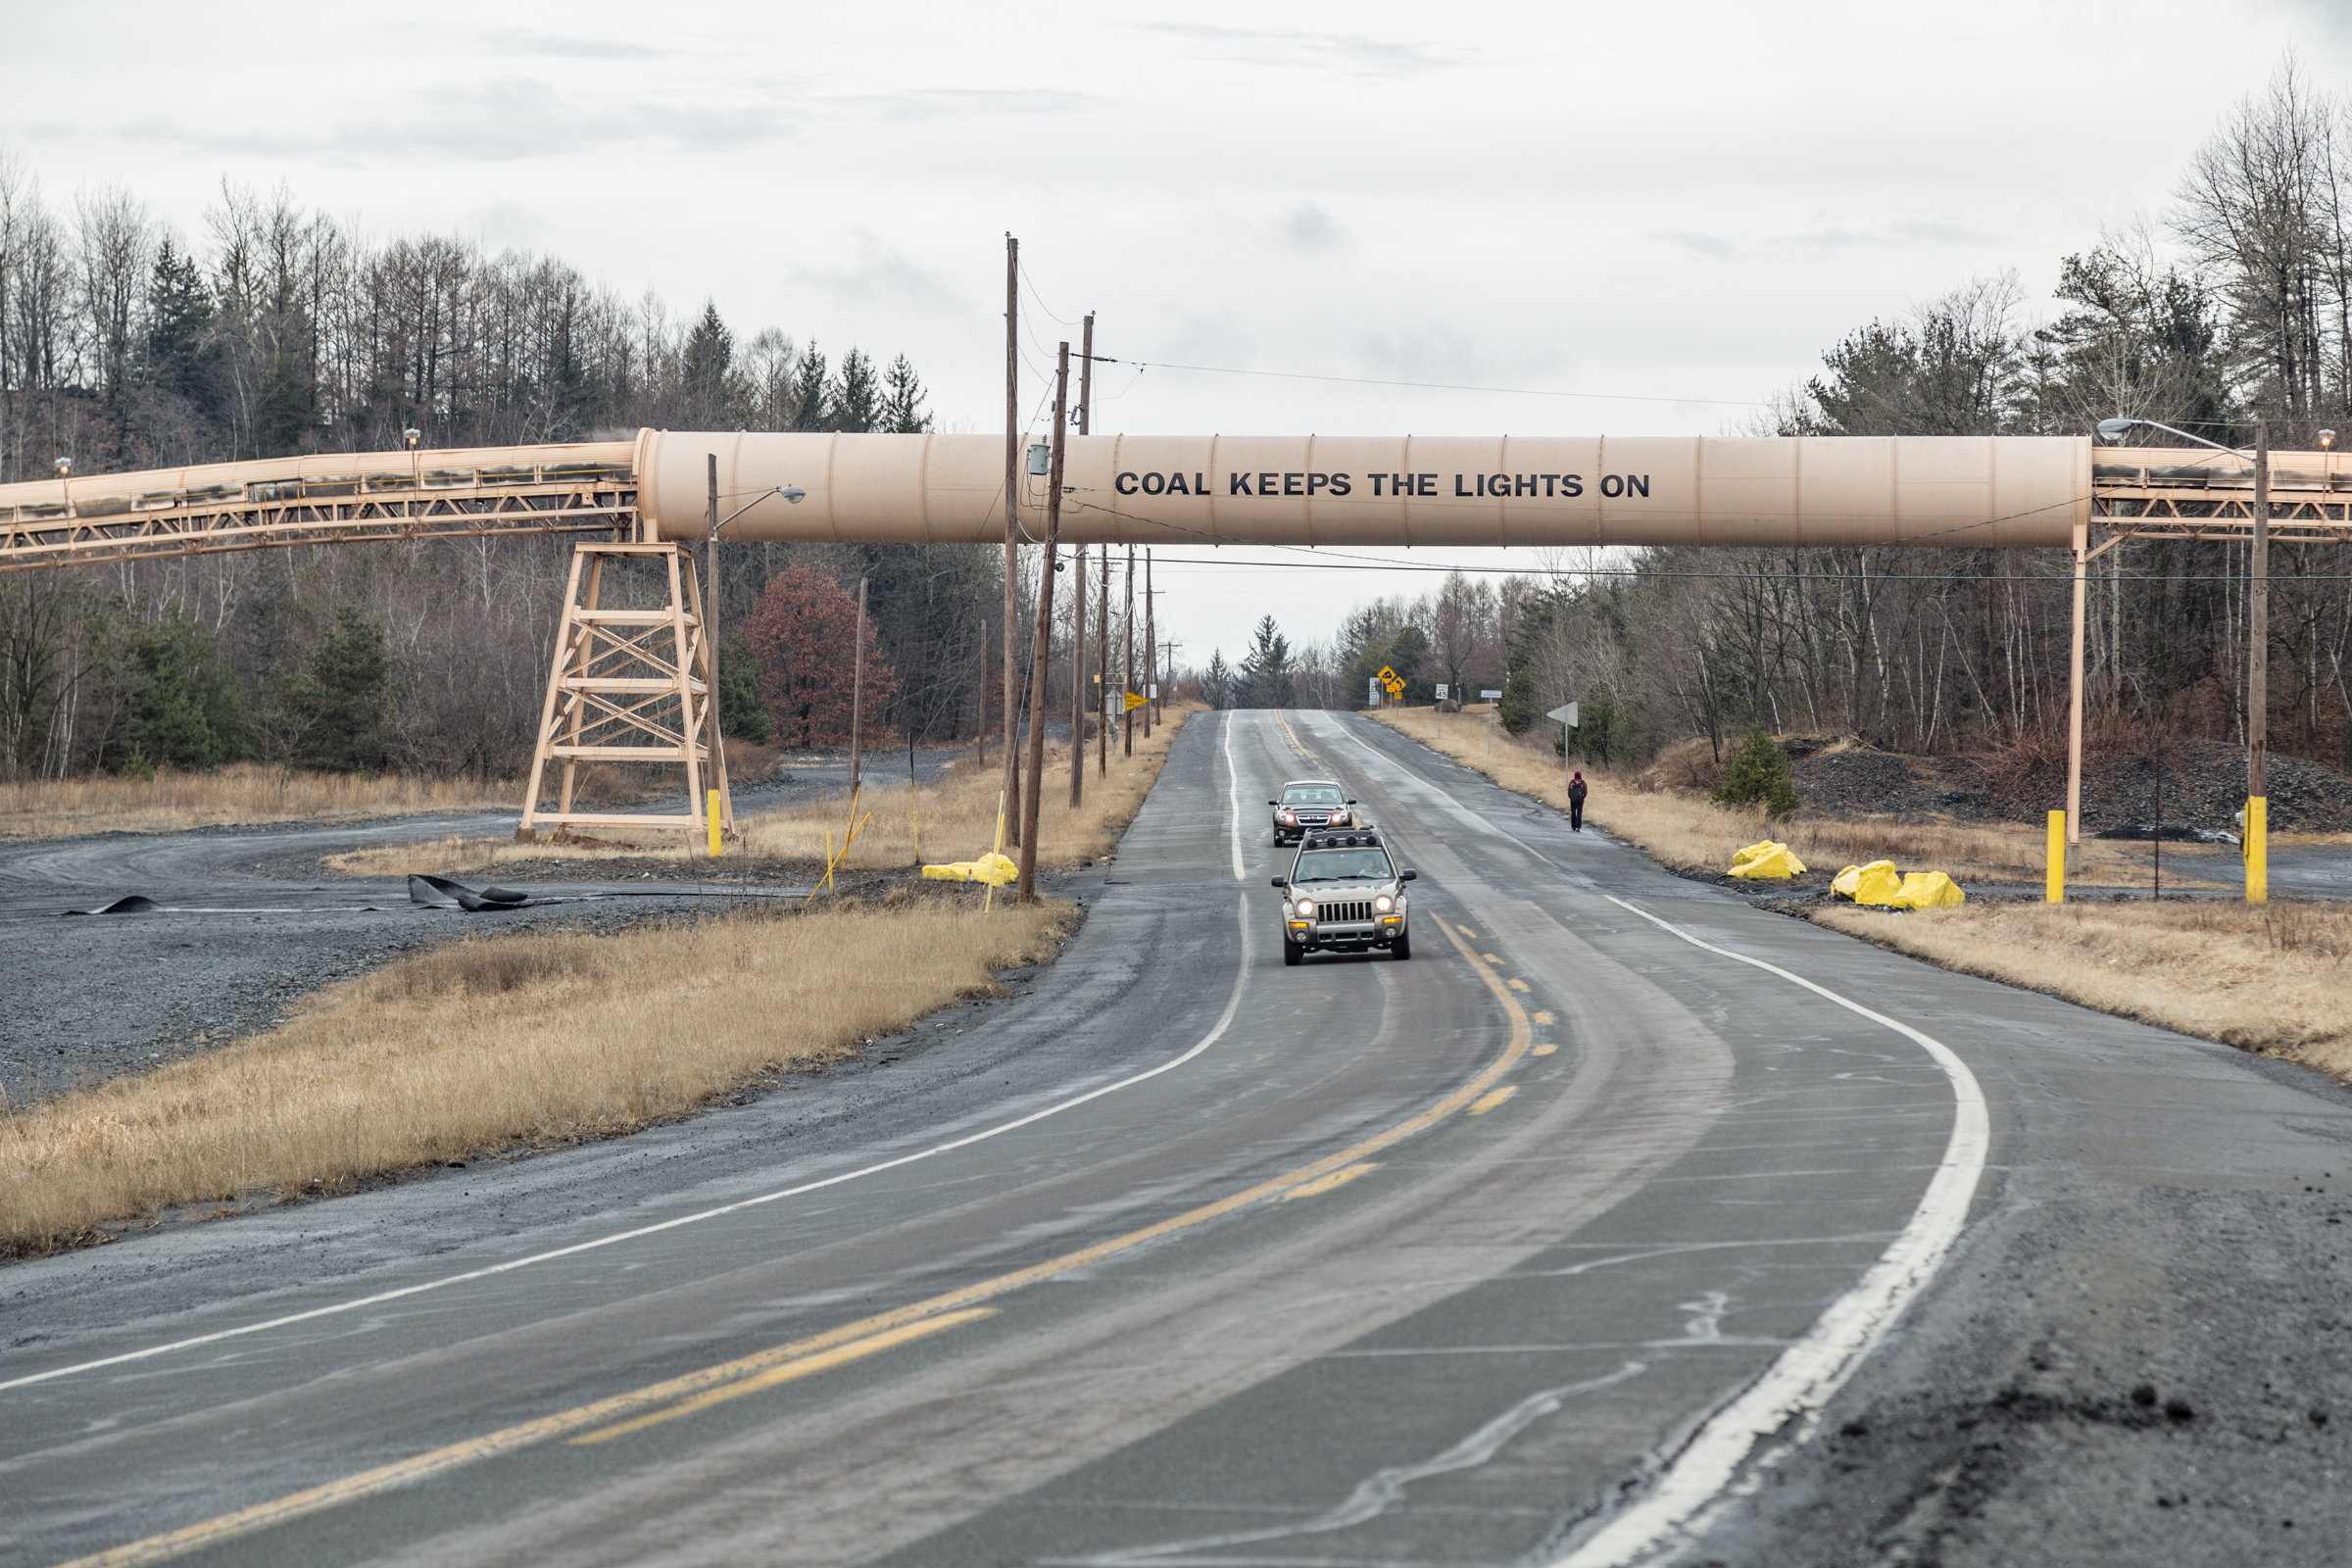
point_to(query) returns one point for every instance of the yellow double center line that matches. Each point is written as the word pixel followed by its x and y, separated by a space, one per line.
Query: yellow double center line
pixel 624 1414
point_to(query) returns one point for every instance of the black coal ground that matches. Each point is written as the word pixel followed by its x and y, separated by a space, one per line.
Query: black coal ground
pixel 2070 1401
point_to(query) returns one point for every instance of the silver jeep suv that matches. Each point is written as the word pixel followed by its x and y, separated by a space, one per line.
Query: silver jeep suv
pixel 1345 895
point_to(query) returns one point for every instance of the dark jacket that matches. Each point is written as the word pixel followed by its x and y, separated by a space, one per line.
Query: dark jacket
pixel 1575 791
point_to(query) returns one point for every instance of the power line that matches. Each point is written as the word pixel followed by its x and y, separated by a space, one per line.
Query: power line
pixel 1444 386
pixel 1224 563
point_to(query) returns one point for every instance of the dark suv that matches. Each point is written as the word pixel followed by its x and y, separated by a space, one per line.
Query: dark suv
pixel 1310 805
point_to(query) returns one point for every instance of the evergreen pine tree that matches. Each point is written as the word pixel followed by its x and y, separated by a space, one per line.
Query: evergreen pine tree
pixel 854 402
pixel 1759 774
pixel 809 385
pixel 903 397
pixel 742 711
pixel 339 703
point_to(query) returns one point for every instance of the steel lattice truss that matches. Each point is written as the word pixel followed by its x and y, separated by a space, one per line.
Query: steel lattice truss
pixel 2309 503
pixel 263 516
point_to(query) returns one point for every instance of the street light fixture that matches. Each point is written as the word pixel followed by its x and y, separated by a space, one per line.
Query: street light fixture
pixel 2256 840
pixel 411 435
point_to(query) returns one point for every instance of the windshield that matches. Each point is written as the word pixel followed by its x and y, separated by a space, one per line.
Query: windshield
pixel 1311 795
pixel 1343 865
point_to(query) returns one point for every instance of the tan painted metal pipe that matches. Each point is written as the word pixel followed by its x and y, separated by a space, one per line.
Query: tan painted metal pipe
pixel 1970 491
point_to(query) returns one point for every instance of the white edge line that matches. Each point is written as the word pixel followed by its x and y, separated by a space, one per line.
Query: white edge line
pixel 1233 792
pixel 1225 1019
pixel 1801 1381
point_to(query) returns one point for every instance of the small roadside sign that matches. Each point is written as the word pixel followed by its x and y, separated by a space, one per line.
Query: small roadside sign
pixel 1372 691
pixel 1440 690
pixel 1134 702
pixel 1489 697
pixel 1564 715
pixel 1396 685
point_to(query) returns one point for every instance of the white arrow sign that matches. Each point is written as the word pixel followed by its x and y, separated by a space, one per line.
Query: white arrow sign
pixel 1565 715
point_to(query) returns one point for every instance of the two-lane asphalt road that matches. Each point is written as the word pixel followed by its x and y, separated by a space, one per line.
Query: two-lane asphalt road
pixel 1551 1243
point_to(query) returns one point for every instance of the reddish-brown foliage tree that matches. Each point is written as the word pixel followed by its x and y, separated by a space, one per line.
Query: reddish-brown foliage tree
pixel 805 634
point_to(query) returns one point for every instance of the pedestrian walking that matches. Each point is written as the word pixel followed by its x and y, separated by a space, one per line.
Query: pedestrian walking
pixel 1576 801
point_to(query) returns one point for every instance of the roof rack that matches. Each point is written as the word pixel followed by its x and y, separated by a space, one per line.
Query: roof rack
pixel 1362 839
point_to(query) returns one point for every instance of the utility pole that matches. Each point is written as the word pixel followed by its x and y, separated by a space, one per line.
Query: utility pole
pixel 2256 839
pixel 1013 511
pixel 1077 676
pixel 1086 417
pixel 1103 673
pixel 1038 663
pixel 857 696
pixel 1126 713
pixel 1151 647
pixel 1086 377
pixel 713 720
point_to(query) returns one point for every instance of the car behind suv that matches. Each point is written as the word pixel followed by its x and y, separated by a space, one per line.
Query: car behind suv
pixel 1310 804
pixel 1344 895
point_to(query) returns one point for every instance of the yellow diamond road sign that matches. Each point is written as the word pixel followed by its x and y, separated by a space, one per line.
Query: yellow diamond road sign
pixel 1388 676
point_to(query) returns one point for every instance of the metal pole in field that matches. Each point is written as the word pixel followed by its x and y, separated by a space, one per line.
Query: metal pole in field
pixel 1078 679
pixel 982 693
pixel 857 696
pixel 2258 675
pixel 1012 508
pixel 1044 625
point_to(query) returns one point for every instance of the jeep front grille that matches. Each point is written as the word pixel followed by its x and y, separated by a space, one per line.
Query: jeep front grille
pixel 1341 913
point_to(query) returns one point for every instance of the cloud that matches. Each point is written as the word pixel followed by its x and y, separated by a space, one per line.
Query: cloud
pixel 1308 227
pixel 883 276
pixel 966 103
pixel 508 42
pixel 1713 246
pixel 1352 54
pixel 496 123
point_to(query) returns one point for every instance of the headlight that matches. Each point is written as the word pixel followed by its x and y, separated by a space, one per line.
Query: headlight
pixel 1384 904
pixel 1338 819
pixel 1290 817
pixel 1306 907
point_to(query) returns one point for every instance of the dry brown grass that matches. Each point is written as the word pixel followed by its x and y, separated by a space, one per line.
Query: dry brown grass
pixel 1684 829
pixel 247 792
pixel 2274 978
pixel 959 813
pixel 958 819
pixel 496 1043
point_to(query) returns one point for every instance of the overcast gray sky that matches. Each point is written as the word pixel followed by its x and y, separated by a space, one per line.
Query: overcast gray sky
pixel 1640 203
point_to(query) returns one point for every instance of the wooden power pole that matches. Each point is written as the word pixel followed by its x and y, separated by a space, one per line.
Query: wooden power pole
pixel 1012 513
pixel 1077 675
pixel 1126 713
pixel 1103 673
pixel 857 697
pixel 2256 836
pixel 1040 655
pixel 1151 647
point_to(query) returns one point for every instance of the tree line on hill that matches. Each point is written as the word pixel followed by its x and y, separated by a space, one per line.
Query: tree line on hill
pixel 280 330
pixel 2235 306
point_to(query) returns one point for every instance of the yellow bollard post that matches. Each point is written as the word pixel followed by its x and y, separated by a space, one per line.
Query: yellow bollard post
pixel 2258 851
pixel 710 814
pixel 2054 881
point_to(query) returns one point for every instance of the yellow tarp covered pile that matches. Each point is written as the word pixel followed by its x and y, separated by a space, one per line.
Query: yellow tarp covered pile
pixel 1879 882
pixel 1005 870
pixel 1881 886
pixel 1769 859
